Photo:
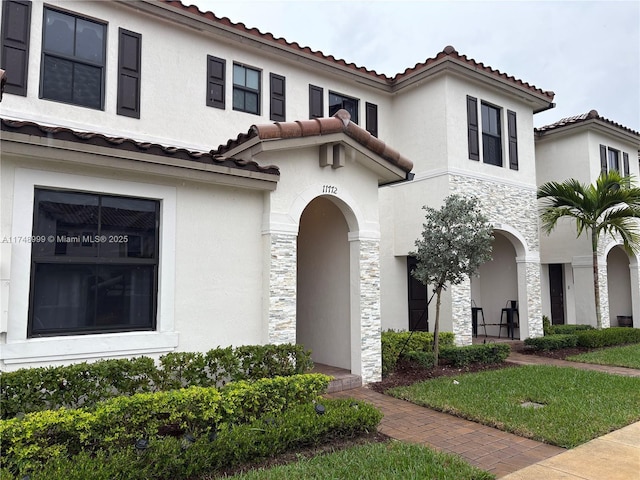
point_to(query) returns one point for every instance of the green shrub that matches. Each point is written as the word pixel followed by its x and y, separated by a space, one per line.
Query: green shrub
pixel 424 359
pixel 216 449
pixel 608 337
pixel 118 422
pixel 552 342
pixel 86 384
pixel 394 341
pixel 567 329
pixel 546 325
pixel 487 353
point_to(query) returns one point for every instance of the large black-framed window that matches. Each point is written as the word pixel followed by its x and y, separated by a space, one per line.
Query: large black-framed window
pixel 94 263
pixel 338 101
pixel 246 89
pixel 491 135
pixel 73 59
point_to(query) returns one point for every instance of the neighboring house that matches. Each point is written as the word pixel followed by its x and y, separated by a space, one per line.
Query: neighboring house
pixel 150 204
pixel 582 147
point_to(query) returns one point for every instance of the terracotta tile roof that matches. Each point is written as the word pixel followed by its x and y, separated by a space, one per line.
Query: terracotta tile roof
pixel 448 53
pixel 591 115
pixel 340 122
pixel 128 144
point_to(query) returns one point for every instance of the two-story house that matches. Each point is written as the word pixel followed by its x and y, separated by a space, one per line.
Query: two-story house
pixel 582 147
pixel 150 203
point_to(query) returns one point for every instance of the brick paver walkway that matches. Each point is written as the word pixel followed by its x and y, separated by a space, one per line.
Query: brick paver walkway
pixel 487 448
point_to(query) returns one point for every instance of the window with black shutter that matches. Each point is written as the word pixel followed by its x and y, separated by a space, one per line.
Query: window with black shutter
pixel 215 82
pixel 371 111
pixel 603 159
pixel 472 128
pixel 277 103
pixel 16 27
pixel 316 102
pixel 73 59
pixel 129 52
pixel 491 135
pixel 625 163
pixel 513 140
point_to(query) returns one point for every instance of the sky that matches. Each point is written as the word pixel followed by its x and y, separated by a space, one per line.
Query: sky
pixel 587 52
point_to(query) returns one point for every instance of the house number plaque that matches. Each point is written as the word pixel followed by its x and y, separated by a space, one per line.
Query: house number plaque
pixel 330 189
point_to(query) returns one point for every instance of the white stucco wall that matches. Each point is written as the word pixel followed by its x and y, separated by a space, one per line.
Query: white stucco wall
pixel 210 265
pixel 174 83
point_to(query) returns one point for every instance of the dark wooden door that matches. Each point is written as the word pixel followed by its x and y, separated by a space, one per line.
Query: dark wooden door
pixel 418 311
pixel 556 287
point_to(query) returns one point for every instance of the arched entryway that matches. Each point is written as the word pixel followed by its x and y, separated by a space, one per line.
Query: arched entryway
pixel 323 307
pixel 496 283
pixel 619 286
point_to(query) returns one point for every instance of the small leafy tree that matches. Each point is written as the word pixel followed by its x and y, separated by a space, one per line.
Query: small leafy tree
pixel 455 241
pixel 611 205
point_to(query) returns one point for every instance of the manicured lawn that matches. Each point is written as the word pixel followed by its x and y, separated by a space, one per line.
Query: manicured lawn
pixel 627 356
pixel 578 406
pixel 377 461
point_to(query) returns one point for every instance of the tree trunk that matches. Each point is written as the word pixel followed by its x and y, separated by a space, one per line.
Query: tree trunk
pixel 596 280
pixel 436 327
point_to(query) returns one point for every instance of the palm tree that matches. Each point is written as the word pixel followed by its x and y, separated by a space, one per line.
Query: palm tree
pixel 611 205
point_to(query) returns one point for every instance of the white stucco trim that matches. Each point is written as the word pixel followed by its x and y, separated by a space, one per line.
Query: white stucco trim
pixel 518 241
pixel 19 349
pixel 443 172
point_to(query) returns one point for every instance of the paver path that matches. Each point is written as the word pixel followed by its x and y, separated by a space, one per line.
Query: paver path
pixel 521 359
pixel 490 449
pixel 487 448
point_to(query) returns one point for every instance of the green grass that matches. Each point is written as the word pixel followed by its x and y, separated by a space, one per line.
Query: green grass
pixel 627 356
pixel 579 405
pixel 376 461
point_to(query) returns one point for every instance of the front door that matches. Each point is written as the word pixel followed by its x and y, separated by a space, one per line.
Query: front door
pixel 556 287
pixel 418 306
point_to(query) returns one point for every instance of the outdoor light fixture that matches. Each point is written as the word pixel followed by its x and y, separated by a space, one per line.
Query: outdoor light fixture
pixel 320 409
pixel 142 444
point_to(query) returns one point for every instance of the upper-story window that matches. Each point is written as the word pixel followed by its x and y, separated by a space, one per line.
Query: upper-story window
pixel 246 89
pixel 610 160
pixel 491 126
pixel 491 135
pixel 338 101
pixel 73 59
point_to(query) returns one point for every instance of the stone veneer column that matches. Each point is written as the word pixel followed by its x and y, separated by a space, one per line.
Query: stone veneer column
pixel 604 292
pixel 282 289
pixel 532 289
pixel 461 313
pixel 370 324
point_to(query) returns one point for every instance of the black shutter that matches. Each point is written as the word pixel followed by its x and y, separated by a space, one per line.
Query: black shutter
pixel 215 81
pixel 513 140
pixel 472 128
pixel 316 104
pixel 603 159
pixel 371 111
pixel 16 26
pixel 129 51
pixel 277 102
pixel 625 163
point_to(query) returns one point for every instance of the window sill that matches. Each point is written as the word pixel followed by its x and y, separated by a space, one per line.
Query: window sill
pixel 27 353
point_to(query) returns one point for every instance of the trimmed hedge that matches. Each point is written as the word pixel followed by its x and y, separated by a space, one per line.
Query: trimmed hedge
pixel 608 337
pixel 567 329
pixel 119 422
pixel 86 384
pixel 487 353
pixel 424 359
pixel 393 341
pixel 228 446
pixel 552 342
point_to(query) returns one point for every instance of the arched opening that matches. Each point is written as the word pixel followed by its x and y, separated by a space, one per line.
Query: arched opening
pixel 496 284
pixel 619 286
pixel 323 288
